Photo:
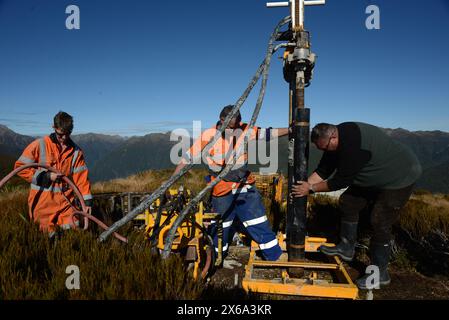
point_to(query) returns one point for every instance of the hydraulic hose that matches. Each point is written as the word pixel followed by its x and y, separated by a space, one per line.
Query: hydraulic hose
pixel 266 65
pixel 100 223
pixel 75 189
pixel 147 201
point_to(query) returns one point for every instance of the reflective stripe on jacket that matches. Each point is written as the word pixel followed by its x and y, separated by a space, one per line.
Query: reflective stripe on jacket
pixel 219 154
pixel 48 204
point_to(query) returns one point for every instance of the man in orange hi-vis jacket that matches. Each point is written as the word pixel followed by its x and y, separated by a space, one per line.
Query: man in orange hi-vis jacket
pixel 236 197
pixel 49 196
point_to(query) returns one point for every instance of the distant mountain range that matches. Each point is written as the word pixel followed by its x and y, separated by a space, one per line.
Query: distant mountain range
pixel 12 143
pixel 96 146
pixel 134 155
pixel 110 157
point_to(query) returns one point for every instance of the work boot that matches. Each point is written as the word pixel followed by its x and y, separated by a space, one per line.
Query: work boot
pixel 346 248
pixel 380 256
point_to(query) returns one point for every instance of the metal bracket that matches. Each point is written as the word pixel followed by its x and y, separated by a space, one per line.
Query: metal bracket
pixel 297 10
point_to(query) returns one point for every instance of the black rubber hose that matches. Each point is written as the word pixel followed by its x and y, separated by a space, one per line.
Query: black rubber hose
pixel 171 235
pixel 147 201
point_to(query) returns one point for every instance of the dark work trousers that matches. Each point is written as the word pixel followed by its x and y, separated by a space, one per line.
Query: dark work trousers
pixel 386 205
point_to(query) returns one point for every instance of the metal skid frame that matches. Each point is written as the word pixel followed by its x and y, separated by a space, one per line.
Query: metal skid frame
pixel 190 239
pixel 310 286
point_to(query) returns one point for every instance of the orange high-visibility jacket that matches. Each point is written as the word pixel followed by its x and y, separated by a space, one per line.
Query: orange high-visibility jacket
pixel 219 154
pixel 48 204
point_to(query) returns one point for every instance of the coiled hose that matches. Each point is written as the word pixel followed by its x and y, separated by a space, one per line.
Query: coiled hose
pixel 75 189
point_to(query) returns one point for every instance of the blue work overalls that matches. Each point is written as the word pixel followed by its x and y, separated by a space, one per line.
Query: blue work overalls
pixel 246 205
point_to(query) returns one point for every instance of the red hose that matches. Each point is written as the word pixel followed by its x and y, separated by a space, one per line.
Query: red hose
pixel 205 271
pixel 69 182
pixel 75 189
pixel 100 223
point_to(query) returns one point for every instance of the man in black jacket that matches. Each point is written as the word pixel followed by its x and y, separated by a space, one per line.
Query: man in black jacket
pixel 377 170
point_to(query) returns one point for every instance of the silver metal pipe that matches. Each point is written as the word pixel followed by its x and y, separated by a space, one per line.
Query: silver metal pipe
pixel 314 2
pixel 287 3
pixel 278 4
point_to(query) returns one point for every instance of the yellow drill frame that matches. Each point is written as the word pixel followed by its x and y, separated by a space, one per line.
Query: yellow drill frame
pixel 189 239
pixel 271 186
pixel 311 286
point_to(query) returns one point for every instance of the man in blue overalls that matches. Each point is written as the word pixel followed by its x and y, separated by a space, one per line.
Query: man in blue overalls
pixel 236 195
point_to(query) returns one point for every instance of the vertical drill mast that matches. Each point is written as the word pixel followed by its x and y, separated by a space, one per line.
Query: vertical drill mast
pixel 299 62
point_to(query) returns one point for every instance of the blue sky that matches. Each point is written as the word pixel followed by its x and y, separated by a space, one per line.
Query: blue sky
pixel 137 67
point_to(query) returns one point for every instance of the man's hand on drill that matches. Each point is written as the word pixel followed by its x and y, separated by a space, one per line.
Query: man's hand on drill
pixel 301 189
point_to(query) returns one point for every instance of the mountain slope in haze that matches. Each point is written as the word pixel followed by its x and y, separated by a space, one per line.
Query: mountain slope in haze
pixel 152 151
pixel 12 143
pixel 431 147
pixel 135 155
pixel 97 146
pixel 435 178
pixel 432 150
pixel 107 156
pixel 6 164
pixel 111 157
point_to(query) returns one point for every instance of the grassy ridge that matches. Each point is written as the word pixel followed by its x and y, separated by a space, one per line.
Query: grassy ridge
pixel 425 216
pixel 149 181
pixel 425 213
pixel 34 267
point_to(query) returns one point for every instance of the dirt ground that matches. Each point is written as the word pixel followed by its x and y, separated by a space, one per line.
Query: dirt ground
pixel 405 285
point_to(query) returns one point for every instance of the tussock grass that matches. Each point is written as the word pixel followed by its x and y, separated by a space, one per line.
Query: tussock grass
pixel 421 215
pixel 421 232
pixel 148 181
pixel 323 217
pixel 34 267
pixel 14 192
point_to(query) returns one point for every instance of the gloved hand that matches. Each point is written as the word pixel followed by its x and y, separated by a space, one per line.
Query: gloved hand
pixel 54 177
pixel 44 179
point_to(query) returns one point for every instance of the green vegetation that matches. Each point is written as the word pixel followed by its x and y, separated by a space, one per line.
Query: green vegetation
pixel 34 267
pixel 420 234
pixel 149 181
pixel 421 217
